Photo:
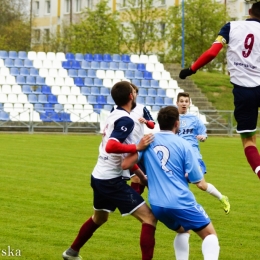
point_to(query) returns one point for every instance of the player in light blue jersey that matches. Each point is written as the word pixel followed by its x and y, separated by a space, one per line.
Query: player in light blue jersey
pixel 194 131
pixel 167 159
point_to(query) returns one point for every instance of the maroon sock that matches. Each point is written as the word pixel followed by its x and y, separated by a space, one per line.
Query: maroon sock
pixel 253 158
pixel 85 233
pixel 147 241
pixel 141 188
pixel 136 187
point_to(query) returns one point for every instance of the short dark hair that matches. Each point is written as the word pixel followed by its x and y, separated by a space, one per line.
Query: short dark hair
pixel 255 10
pixel 135 87
pixel 167 117
pixel 120 92
pixel 182 94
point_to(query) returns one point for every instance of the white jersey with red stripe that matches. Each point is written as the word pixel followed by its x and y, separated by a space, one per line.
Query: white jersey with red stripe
pixel 119 126
pixel 243 53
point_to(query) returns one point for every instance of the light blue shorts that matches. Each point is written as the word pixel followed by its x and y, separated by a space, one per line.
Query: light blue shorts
pixel 194 218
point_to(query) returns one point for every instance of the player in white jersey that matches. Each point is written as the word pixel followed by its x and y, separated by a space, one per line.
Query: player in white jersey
pixel 167 159
pixel 193 130
pixel 243 58
pixel 109 188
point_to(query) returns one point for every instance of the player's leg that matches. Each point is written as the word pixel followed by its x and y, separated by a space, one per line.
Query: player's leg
pixel 210 244
pixel 135 183
pixel 181 244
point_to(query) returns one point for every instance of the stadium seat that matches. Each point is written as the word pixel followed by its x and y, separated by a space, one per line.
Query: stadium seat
pixel 48 107
pixel 116 57
pixel 114 65
pixel 50 56
pixel 62 72
pixel 37 64
pixel 108 83
pixel 72 100
pixel 145 83
pixel 72 73
pixel 142 92
pixel 62 99
pixel 22 55
pixel 9 62
pixel 81 99
pixel 70 82
pixel 95 91
pixel 88 57
pixel 138 74
pixel 104 65
pixel 30 80
pixel 159 101
pixel 41 55
pixel 36 89
pixel 56 64
pixel 28 63
pixel 101 100
pixel 97 57
pixel 97 108
pixel 42 99
pixel 46 90
pixel 134 58
pixel 52 99
pixel 166 75
pixel 110 100
pixel 11 80
pixel 122 66
pixel 8 107
pixel 149 101
pixel 75 64
pixel 125 58
pixel 32 98
pixel 154 83
pixel 65 90
pixel 161 92
pixel 58 108
pixel 148 75
pixel 16 89
pixel 78 82
pixel 3 98
pixel 18 63
pixel 109 74
pixel 86 64
pixel 69 56
pixel 104 91
pixel 39 80
pixel 92 73
pixel 2 80
pixel 140 100
pixel 56 90
pixel 95 65
pixel 108 107
pixel 173 84
pixel 6 71
pixel 66 64
pixel 52 72
pixel 3 55
pixel 152 92
pixel 153 59
pixel 74 90
pixel 98 82
pixel 159 67
pixel 22 98
pixel 129 74
pixel 6 89
pixel 39 108
pixel 85 90
pixel 4 116
pixel 60 56
pixel 155 108
pixel 143 58
pixel 79 57
pixel 141 67
pixel 137 82
pixel 168 101
pixel 150 67
pixel 33 71
pixel 157 75
pixel 107 57
pixel 82 73
pixel 12 54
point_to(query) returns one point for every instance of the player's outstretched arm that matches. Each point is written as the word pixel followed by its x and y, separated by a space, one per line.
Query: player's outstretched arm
pixel 129 161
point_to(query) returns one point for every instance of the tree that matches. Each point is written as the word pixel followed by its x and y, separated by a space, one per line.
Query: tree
pixel 98 31
pixel 143 27
pixel 203 20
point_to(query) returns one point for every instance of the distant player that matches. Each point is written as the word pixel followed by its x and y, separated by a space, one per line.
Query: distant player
pixel 193 130
pixel 109 188
pixel 243 39
pixel 167 159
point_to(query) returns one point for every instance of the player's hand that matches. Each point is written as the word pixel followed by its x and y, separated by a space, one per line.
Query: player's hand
pixel 145 141
pixel 142 120
pixel 186 73
pixel 201 138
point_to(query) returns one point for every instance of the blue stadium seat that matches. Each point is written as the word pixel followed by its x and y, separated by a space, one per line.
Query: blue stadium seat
pixel 4 116
pixel 72 73
pixel 39 80
pixel 12 54
pixel 108 107
pixel 85 91
pixel 129 74
pixel 97 108
pixel 161 92
pixel 137 82
pixel 9 62
pixel 79 57
pixel 110 100
pixel 97 57
pixel 69 56
pixel 107 57
pixel 58 108
pixel 65 117
pixel 149 101
pixel 79 81
pixel 48 107
pixel 52 99
pixel 142 92
pixel 26 89
pixel 104 91
pixel 22 55
pixel 140 100
pixel 36 90
pixel 31 80
pixel 42 99
pixel 24 72
pixel 168 101
pixel 141 66
pixel 138 74
pixel 152 92
pixel 92 99
pixel 82 73
pixel 155 83
pixel 122 66
pixel 66 64
pixel 18 63
pixel 125 58
pixel 86 64
pixel 156 108
pixel 75 65
pixel 159 101
pixel 46 90
pixel 98 82
pixel 104 65
pixel 145 83
pixel 28 63
pixel 132 66
pixel 95 91
pixel 88 57
pixel 91 73
pixel 32 98
pixel 101 100
pixel 14 71
pixel 39 108
pixel 20 79
pixel 95 65
pixel 3 54
pixel 116 57
pixel 114 65
pixel 148 75
pixel 88 82
pixel 34 72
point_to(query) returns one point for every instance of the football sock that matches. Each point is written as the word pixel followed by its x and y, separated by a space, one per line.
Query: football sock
pixel 147 241
pixel 253 159
pixel 136 187
pixel 210 247
pixel 211 189
pixel 181 246
pixel 85 233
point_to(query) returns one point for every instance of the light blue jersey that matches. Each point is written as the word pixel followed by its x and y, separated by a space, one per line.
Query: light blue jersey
pixel 190 127
pixel 166 160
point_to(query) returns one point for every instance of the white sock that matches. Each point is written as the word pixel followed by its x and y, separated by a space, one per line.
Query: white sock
pixel 211 189
pixel 210 247
pixel 181 246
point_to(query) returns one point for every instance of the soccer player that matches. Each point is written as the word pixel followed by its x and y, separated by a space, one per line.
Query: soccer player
pixel 141 116
pixel 167 159
pixel 109 188
pixel 243 39
pixel 193 130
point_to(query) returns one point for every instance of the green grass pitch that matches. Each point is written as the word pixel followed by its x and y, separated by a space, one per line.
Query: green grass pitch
pixel 45 196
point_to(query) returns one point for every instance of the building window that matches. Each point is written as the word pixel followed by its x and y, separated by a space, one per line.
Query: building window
pixel 89 4
pixel 37 8
pixel 78 6
pixel 67 6
pixel 48 7
pixel 37 35
pixel 162 29
pixel 124 3
pixel 163 2
pixel 47 34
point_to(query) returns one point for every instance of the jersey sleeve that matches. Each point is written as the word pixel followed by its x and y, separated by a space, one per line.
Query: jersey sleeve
pixel 147 115
pixel 223 35
pixel 122 129
pixel 201 128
